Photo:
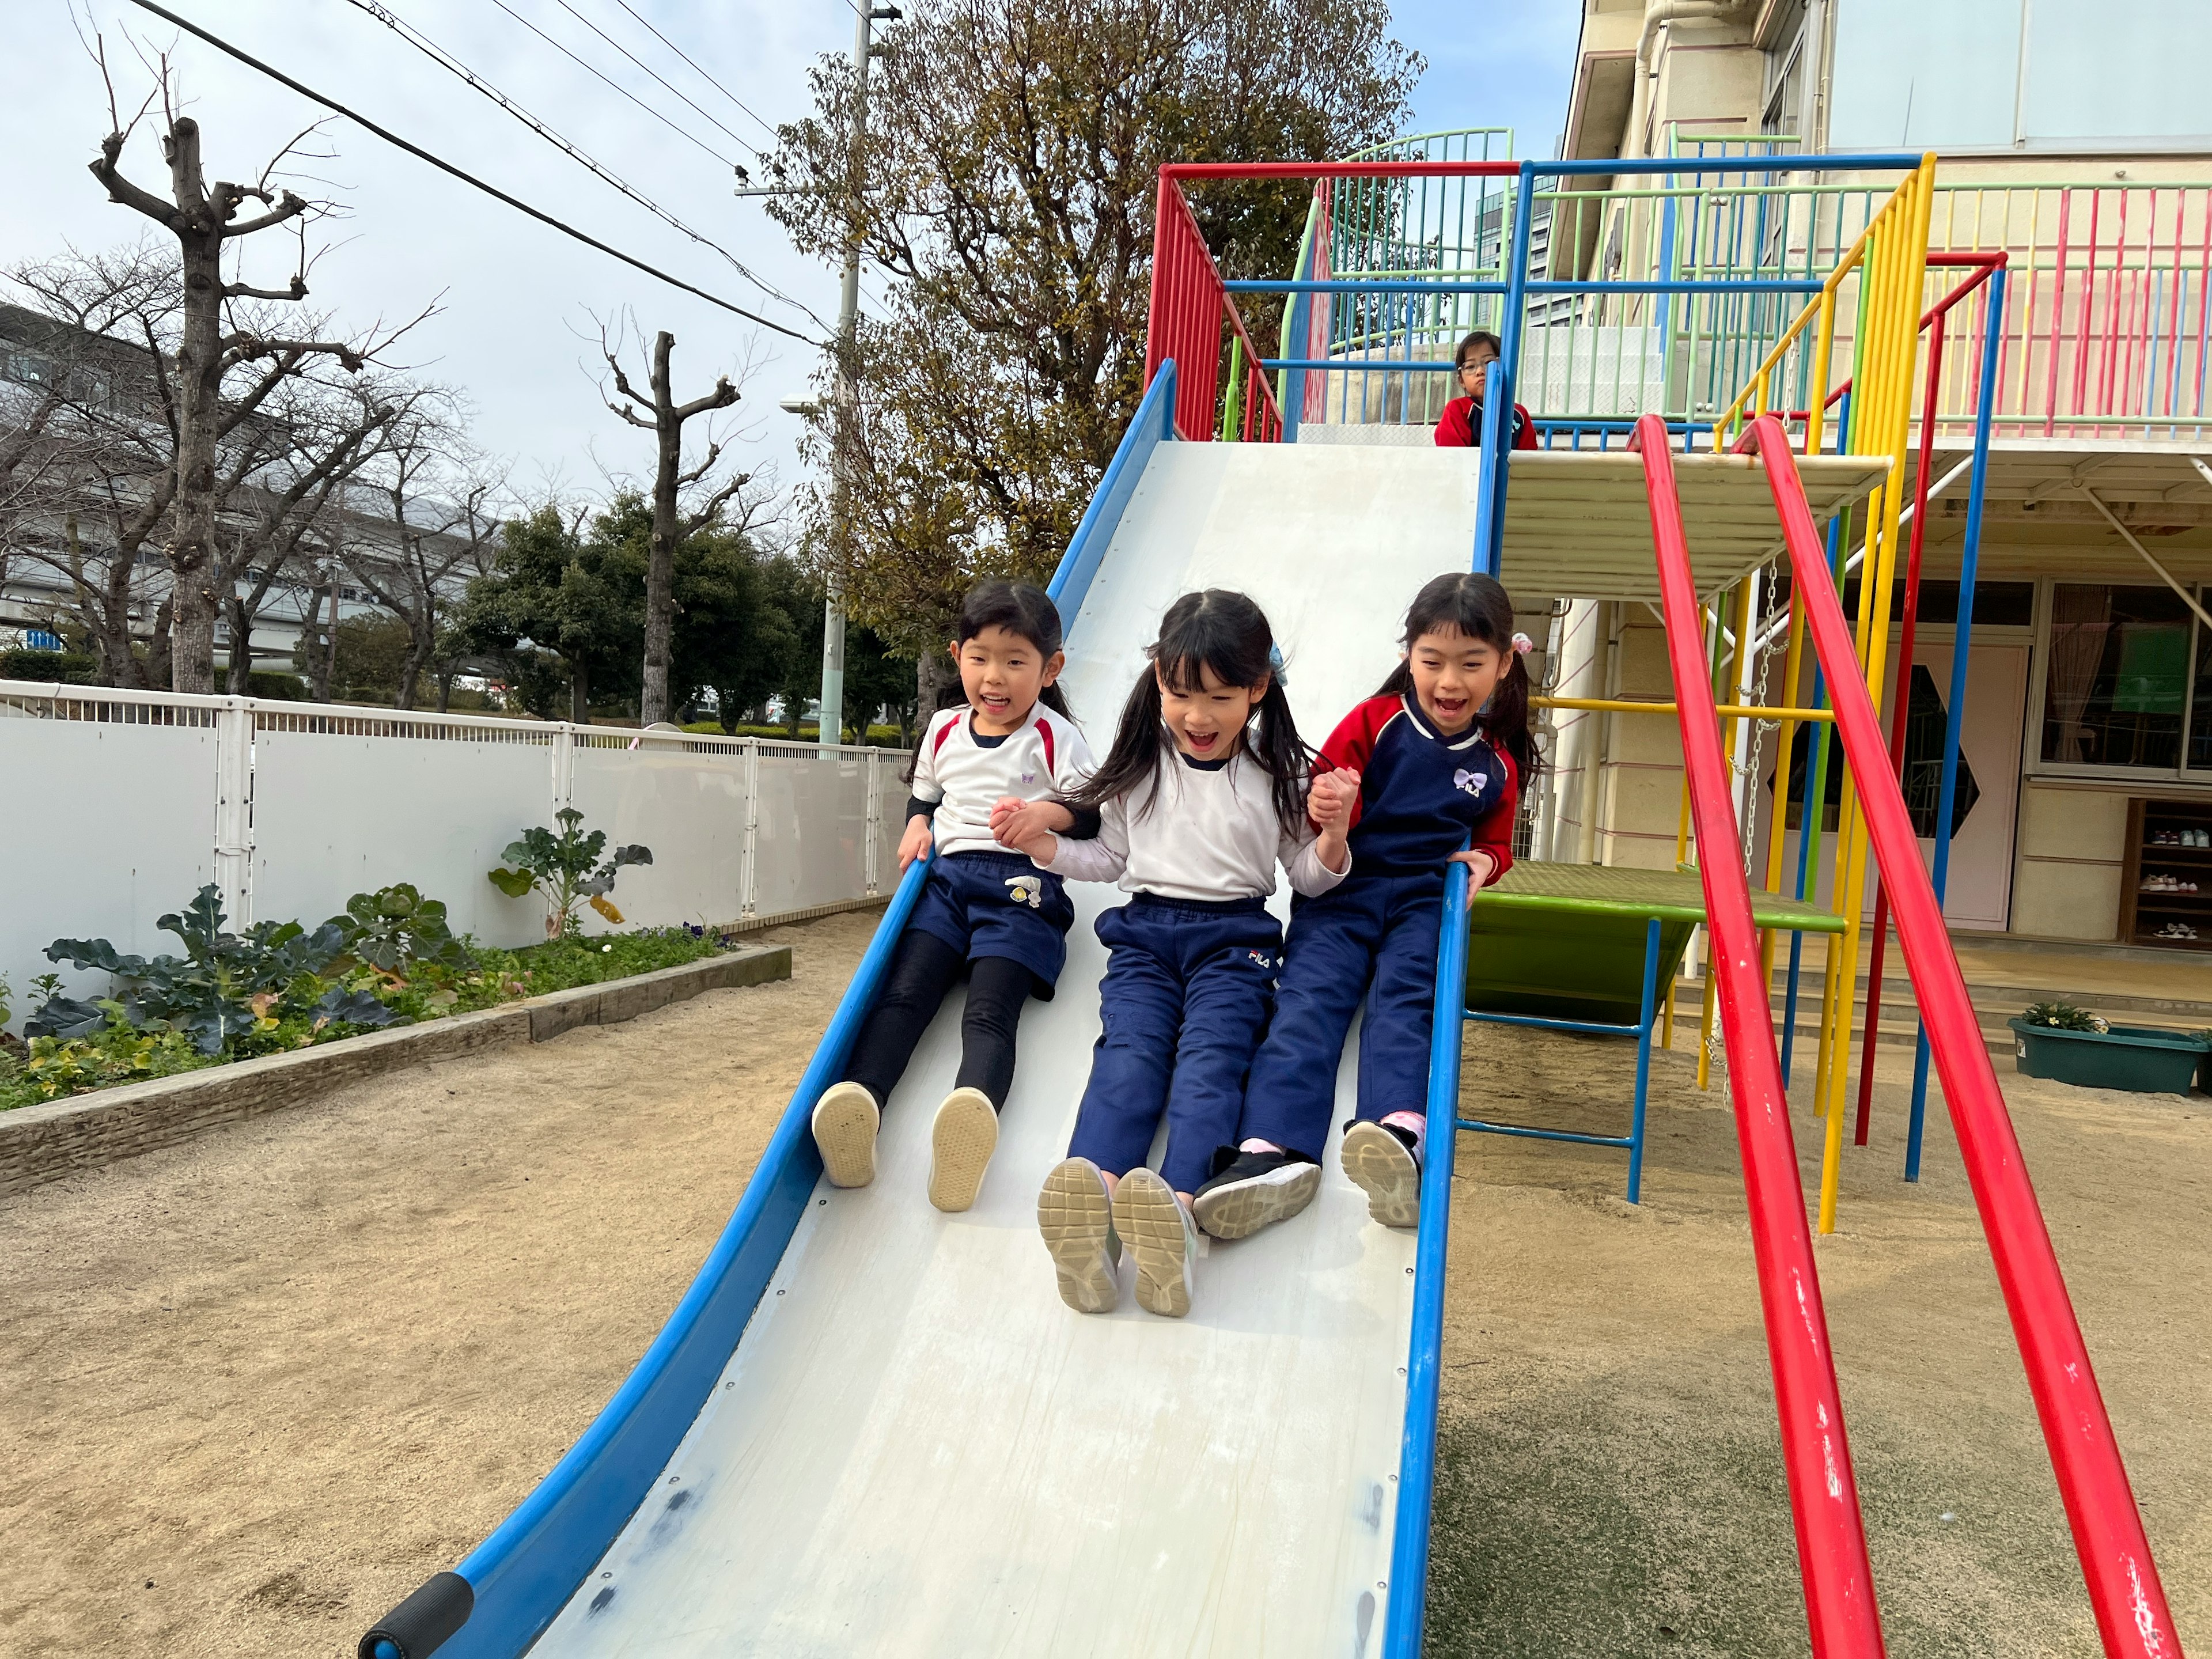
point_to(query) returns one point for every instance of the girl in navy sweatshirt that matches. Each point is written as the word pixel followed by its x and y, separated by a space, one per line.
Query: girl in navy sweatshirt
pixel 1203 794
pixel 984 912
pixel 1434 764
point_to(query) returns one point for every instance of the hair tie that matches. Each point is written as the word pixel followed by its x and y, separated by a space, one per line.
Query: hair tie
pixel 1275 664
pixel 1523 645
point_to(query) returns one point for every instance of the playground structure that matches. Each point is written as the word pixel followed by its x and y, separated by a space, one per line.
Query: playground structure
pixel 868 1428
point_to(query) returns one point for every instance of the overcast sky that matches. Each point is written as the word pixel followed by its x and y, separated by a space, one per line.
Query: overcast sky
pixel 514 328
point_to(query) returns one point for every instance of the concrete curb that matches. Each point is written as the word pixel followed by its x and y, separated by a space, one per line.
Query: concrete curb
pixel 38 1144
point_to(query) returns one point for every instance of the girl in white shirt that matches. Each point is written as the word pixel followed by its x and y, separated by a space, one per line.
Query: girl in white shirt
pixel 984 912
pixel 1203 794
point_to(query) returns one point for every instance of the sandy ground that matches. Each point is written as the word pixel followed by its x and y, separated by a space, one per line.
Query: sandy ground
pixel 257 1387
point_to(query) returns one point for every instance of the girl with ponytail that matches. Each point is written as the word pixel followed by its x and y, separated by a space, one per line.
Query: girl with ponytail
pixel 1430 770
pixel 1202 795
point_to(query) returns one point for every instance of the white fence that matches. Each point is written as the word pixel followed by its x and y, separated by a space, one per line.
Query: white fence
pixel 116 806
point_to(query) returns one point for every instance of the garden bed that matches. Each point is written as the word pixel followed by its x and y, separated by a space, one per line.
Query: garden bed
pixel 46 1141
pixel 120 1055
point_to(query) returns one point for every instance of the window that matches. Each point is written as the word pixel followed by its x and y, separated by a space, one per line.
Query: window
pixel 1786 72
pixel 2115 675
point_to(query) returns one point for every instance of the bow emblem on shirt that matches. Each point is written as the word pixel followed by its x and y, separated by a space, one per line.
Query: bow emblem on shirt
pixel 1471 782
pixel 1026 890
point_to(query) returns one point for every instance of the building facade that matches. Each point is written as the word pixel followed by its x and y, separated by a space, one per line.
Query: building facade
pixel 2076 140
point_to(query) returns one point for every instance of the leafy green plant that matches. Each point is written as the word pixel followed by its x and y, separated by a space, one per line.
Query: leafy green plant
pixel 395 931
pixel 2064 1017
pixel 224 986
pixel 565 867
pixel 113 1054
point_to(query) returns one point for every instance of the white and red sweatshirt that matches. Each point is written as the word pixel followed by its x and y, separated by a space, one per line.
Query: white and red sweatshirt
pixel 959 777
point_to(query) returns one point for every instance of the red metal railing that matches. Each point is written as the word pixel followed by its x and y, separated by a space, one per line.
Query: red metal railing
pixel 2108 332
pixel 1832 1553
pixel 1188 307
pixel 2124 1591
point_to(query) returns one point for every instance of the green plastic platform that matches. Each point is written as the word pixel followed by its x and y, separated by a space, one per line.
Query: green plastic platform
pixel 1565 941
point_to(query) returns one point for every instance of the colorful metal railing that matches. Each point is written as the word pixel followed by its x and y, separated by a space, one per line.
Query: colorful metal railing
pixel 1189 309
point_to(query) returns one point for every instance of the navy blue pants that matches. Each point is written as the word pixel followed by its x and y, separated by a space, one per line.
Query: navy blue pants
pixel 1369 946
pixel 1184 1001
pixel 998 904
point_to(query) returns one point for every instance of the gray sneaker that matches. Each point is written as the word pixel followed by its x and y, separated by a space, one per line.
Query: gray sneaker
pixel 1162 1237
pixel 1075 1215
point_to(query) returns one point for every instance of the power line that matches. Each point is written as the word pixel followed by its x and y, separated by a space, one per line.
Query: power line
pixel 648 69
pixel 469 179
pixel 445 60
pixel 683 132
pixel 701 73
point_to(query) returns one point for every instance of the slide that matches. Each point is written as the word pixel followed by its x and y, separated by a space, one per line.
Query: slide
pixel 888 1437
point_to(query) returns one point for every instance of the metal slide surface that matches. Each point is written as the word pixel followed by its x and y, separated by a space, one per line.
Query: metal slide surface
pixel 917 1448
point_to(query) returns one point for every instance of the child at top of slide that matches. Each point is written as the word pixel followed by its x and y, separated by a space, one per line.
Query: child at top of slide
pixel 982 909
pixel 1460 427
pixel 1438 758
pixel 1202 795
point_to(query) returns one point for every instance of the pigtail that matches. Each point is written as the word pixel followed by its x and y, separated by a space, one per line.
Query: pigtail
pixel 1057 700
pixel 1282 755
pixel 1505 723
pixel 1135 755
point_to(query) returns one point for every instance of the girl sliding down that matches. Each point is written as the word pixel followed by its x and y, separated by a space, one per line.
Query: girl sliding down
pixel 1438 758
pixel 984 910
pixel 1202 795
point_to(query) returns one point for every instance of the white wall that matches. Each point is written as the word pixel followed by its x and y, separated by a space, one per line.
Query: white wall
pixel 2032 75
pixel 113 811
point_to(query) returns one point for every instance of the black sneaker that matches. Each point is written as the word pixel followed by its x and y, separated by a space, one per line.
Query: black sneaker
pixel 1384 1162
pixel 1250 1190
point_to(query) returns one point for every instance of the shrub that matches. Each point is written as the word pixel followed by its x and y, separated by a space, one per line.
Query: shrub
pixel 59 667
pixel 225 985
pixel 564 866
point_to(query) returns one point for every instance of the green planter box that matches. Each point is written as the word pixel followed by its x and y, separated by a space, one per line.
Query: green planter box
pixel 2135 1057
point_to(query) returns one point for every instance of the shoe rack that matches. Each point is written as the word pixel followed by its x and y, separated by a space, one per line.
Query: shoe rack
pixel 2166 895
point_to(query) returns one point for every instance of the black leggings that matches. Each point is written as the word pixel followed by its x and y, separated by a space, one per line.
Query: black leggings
pixel 923 970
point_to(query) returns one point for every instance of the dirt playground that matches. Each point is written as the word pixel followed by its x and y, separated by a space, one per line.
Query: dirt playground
pixel 256 1388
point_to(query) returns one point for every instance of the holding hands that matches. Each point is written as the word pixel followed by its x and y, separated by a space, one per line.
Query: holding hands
pixel 1329 803
pixel 1030 826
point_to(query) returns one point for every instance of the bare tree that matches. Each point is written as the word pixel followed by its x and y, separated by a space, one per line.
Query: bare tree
pixel 328 438
pixel 444 502
pixel 673 518
pixel 223 362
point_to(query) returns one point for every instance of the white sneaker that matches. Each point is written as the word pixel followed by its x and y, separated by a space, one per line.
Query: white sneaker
pixel 1161 1234
pixel 1384 1167
pixel 845 1123
pixel 1076 1217
pixel 961 1142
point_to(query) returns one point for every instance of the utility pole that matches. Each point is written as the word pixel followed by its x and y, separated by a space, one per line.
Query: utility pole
pixel 829 728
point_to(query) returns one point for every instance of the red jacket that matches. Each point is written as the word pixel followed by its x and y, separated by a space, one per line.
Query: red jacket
pixel 1456 429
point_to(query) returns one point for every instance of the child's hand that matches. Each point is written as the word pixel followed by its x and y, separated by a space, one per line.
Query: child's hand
pixel 1481 866
pixel 1330 801
pixel 1029 826
pixel 915 842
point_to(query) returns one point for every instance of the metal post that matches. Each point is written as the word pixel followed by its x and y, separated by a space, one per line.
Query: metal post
pixel 564 765
pixel 1643 1058
pixel 1961 642
pixel 233 811
pixel 750 902
pixel 828 727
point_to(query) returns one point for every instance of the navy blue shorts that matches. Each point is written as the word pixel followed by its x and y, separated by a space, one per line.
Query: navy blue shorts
pixel 999 904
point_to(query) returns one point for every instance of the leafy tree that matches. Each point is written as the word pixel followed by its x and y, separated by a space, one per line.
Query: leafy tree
pixel 371 657
pixel 877 677
pixel 1008 187
pixel 555 590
